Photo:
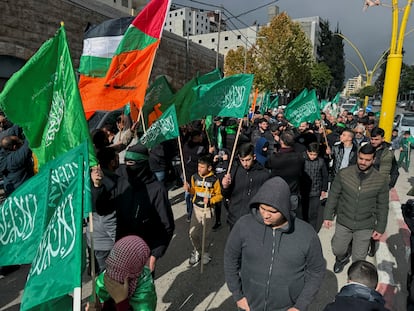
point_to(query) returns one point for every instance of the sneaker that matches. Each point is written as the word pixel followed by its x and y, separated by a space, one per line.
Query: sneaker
pixel 188 219
pixel 217 226
pixel 194 258
pixel 206 258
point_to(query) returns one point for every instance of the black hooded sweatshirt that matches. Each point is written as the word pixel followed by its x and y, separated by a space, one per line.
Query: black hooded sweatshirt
pixel 275 269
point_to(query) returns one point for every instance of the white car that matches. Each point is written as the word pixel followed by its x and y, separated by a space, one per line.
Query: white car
pixel 405 123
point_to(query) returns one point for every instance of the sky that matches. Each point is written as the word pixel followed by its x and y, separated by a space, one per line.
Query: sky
pixel 369 31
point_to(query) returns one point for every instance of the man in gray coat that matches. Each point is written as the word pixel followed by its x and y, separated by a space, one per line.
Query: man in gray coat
pixel 359 200
pixel 272 260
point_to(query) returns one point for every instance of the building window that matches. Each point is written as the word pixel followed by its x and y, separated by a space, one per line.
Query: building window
pixel 197 30
pixel 226 38
pixel 197 23
pixel 181 13
pixel 125 3
pixel 238 37
pixel 200 41
pixel 213 39
pixel 189 13
pixel 170 23
pixel 189 22
pixel 225 47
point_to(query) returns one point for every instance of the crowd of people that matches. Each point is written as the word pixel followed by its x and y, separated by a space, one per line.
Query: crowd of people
pixel 284 184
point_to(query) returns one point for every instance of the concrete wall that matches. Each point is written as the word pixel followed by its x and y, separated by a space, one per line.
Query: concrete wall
pixel 25 25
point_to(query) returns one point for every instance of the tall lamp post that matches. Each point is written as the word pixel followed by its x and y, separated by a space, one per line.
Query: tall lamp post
pixel 368 73
pixel 393 69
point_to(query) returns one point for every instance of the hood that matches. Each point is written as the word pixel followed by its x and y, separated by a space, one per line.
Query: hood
pixel 360 291
pixel 274 192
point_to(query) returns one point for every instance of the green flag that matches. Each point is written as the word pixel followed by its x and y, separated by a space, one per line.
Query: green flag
pixel 323 104
pixel 56 267
pixel 185 97
pixel 43 98
pixel 165 128
pixel 210 77
pixel 265 102
pixel 26 212
pixel 304 110
pixel 274 103
pixel 159 91
pixel 355 107
pixel 227 97
pixel 336 99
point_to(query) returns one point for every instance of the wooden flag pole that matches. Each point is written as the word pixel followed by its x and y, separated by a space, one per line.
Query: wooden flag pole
pixel 326 138
pixel 92 258
pixel 235 146
pixel 180 147
pixel 141 116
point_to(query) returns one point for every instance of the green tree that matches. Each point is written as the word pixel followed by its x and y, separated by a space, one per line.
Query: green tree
pixel 331 52
pixel 321 77
pixel 367 91
pixel 282 59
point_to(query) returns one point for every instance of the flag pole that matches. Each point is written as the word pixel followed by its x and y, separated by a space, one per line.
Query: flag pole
pixel 205 130
pixel 141 115
pixel 180 147
pixel 235 145
pixel 326 138
pixel 92 258
pixel 77 298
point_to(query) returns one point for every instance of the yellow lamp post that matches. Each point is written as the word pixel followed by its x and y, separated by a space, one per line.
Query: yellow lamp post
pixel 393 70
pixel 368 73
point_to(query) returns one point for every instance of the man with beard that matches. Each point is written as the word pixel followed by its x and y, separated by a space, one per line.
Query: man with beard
pixel 153 220
pixel 359 200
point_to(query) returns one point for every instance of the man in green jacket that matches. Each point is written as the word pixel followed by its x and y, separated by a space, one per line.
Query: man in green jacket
pixel 359 200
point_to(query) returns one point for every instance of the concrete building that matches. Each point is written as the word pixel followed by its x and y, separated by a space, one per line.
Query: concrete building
pixel 182 22
pixel 187 21
pixel 352 86
pixel 131 7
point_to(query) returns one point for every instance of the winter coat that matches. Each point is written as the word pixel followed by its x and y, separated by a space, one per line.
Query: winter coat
pixel 357 297
pixel 315 179
pixel 261 157
pixel 275 269
pixel 16 167
pixel 287 164
pixel 359 201
pixel 244 185
pixel 337 156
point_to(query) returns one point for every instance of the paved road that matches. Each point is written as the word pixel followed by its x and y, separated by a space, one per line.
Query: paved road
pixel 181 287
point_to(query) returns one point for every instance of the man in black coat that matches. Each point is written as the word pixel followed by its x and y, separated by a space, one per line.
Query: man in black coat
pixel 242 184
pixel 359 294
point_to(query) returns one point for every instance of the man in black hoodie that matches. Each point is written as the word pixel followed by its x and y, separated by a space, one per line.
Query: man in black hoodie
pixel 243 183
pixel 272 260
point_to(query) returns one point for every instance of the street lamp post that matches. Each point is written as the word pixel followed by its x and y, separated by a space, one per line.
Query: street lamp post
pixel 368 73
pixel 393 69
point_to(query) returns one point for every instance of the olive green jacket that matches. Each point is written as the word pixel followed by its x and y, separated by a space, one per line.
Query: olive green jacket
pixel 359 203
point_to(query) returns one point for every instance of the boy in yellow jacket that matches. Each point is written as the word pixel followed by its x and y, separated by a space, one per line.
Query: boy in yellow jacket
pixel 205 191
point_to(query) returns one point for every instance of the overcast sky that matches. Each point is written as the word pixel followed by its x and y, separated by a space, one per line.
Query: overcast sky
pixel 369 31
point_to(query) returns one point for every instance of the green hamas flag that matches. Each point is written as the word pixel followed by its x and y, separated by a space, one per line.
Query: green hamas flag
pixel 299 97
pixel 185 97
pixel 304 110
pixel 265 102
pixel 336 99
pixel 43 98
pixel 159 92
pixel 210 77
pixel 57 264
pixel 227 97
pixel 165 128
pixel 274 103
pixel 26 212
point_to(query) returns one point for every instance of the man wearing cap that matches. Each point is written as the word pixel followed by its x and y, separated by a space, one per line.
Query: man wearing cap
pixel 272 260
pixel 154 222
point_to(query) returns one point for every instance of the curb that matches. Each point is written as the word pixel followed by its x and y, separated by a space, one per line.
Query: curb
pixel 386 261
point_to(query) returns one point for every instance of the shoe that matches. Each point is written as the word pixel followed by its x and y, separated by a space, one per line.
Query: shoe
pixel 372 248
pixel 206 258
pixel 216 226
pixel 194 258
pixel 340 264
pixel 188 219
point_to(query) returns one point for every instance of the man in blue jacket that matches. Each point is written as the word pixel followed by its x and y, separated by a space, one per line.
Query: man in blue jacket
pixel 272 260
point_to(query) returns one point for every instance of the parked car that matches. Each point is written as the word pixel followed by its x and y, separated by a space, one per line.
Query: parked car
pixel 405 123
pixel 376 103
pixel 402 104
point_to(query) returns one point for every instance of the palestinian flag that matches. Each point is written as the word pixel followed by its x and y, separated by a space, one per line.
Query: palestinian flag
pixel 115 66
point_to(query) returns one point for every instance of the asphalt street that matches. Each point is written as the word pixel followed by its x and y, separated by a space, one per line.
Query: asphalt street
pixel 181 287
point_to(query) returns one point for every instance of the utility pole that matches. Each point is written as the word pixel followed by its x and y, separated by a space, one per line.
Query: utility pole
pixel 218 37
